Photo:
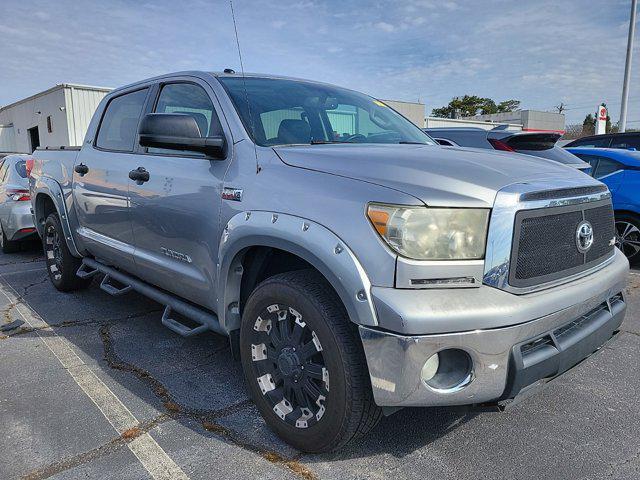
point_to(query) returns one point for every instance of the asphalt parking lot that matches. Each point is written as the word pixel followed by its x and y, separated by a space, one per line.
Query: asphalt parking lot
pixel 94 387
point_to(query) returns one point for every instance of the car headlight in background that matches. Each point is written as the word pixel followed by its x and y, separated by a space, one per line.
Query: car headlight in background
pixel 424 233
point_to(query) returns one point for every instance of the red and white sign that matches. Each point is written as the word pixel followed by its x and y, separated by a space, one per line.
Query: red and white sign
pixel 601 122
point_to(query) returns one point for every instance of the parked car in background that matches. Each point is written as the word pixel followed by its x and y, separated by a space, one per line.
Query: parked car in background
pixel 620 171
pixel 530 143
pixel 626 140
pixel 16 222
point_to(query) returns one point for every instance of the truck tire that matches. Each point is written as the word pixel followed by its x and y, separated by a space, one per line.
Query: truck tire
pixel 7 245
pixel 628 236
pixel 61 265
pixel 304 363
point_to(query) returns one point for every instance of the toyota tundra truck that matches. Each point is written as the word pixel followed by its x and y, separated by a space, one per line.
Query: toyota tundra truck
pixel 356 266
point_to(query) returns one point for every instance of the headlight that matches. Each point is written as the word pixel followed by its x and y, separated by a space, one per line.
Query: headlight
pixel 424 233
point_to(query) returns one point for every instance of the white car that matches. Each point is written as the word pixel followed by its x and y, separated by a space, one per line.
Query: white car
pixel 16 222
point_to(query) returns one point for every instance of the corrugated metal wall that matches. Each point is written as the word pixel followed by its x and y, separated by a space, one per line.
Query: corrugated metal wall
pixel 7 139
pixel 81 103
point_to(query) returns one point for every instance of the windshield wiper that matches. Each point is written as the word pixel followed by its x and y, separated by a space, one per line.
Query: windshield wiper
pixel 413 143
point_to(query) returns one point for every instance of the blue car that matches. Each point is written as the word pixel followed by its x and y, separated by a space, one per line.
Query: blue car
pixel 620 171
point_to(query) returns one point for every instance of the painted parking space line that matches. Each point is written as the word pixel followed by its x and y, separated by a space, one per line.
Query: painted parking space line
pixel 150 454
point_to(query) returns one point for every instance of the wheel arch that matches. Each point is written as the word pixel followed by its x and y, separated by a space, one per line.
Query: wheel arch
pixel 250 238
pixel 49 199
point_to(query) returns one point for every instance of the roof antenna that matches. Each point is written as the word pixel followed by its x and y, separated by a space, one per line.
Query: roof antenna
pixel 244 82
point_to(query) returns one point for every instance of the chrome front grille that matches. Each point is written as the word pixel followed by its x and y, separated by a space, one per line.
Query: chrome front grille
pixel 545 245
pixel 532 241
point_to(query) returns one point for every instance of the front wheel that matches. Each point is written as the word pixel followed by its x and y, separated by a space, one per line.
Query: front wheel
pixel 628 236
pixel 304 363
pixel 61 265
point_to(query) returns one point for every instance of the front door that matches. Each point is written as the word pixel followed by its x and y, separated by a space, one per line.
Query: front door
pixel 175 214
pixel 101 181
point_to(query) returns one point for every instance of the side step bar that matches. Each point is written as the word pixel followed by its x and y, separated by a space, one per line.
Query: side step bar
pixel 207 320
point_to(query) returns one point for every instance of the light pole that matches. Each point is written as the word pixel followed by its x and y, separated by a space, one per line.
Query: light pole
pixel 622 125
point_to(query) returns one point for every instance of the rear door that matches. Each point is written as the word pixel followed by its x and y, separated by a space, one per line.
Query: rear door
pixel 607 170
pixel 175 214
pixel 101 186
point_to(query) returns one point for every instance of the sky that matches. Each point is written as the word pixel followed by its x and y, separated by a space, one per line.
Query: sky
pixel 541 52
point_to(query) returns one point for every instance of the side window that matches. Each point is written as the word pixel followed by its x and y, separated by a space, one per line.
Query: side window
pixel 606 166
pixel 3 170
pixel 590 159
pixel 626 141
pixel 188 99
pixel 119 127
pixel 592 142
pixel 21 168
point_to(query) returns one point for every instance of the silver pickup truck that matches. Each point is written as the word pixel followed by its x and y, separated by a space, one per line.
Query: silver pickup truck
pixel 356 266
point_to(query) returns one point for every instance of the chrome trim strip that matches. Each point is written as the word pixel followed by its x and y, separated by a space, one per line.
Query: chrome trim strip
pixel 502 225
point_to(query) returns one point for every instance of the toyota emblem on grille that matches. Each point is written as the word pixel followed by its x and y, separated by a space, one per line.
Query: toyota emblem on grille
pixel 584 236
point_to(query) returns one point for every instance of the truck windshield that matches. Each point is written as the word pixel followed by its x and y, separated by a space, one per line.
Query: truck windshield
pixel 291 112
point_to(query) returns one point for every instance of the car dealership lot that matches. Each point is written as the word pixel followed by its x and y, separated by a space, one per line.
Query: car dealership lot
pixel 94 387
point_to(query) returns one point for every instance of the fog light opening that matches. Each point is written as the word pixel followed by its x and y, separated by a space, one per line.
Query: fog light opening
pixel 448 371
pixel 430 367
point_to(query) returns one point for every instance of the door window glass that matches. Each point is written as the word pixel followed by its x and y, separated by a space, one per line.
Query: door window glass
pixel 606 166
pixel 602 142
pixel 188 99
pixel 626 141
pixel 119 127
pixel 3 170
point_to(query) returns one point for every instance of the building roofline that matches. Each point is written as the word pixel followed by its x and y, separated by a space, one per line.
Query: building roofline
pixel 403 101
pixel 60 86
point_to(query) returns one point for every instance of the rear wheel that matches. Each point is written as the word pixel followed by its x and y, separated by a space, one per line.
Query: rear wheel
pixel 7 245
pixel 628 236
pixel 304 364
pixel 61 265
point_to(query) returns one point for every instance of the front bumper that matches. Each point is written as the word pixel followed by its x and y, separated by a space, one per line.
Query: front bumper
pixel 505 360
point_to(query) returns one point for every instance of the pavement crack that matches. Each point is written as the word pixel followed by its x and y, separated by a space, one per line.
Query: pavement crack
pixel 207 418
pixel 22 262
pixel 293 464
pixel 20 299
pixel 105 449
pixel 171 405
pixel 78 323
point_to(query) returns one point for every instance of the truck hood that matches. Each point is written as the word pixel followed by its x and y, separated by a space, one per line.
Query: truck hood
pixel 439 176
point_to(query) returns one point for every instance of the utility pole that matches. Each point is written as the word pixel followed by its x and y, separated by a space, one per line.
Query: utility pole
pixel 561 108
pixel 622 125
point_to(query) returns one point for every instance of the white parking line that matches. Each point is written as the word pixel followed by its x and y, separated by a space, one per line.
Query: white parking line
pixel 151 455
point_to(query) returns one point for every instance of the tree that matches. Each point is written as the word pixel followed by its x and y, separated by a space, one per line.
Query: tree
pixel 588 125
pixel 470 105
pixel 509 106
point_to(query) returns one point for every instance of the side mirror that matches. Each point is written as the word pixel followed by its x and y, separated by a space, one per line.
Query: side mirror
pixel 178 131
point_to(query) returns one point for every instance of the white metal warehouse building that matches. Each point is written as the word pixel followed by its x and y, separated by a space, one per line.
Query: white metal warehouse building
pixel 56 117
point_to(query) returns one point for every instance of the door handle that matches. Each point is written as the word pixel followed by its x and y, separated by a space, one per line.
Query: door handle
pixel 139 175
pixel 81 169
